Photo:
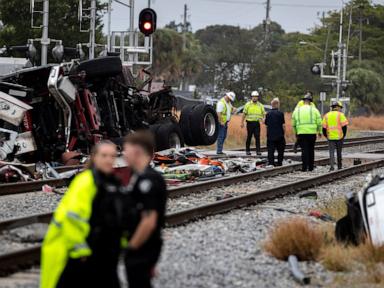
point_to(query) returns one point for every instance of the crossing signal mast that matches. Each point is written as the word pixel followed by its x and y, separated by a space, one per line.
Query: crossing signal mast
pixel 130 45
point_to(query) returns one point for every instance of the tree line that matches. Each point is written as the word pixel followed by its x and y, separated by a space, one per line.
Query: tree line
pixel 224 57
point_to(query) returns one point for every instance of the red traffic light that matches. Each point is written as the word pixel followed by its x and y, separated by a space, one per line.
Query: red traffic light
pixel 147 26
pixel 147 21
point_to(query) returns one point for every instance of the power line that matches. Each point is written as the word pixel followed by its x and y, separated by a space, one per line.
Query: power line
pixel 296 5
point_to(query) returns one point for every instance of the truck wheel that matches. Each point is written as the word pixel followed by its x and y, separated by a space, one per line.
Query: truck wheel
pixel 185 125
pixel 168 135
pixel 101 67
pixel 204 124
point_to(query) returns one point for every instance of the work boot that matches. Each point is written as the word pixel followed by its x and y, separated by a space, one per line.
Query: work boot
pixel 258 153
pixel 221 153
pixel 248 153
pixel 331 169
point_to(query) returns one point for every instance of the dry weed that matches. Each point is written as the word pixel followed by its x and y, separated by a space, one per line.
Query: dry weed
pixel 338 257
pixel 336 208
pixel 295 236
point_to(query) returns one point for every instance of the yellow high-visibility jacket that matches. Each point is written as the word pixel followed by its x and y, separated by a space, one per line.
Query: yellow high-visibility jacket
pixel 333 122
pixel 254 111
pixel 306 120
pixel 68 230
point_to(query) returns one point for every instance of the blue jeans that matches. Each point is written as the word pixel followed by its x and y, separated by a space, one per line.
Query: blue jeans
pixel 221 137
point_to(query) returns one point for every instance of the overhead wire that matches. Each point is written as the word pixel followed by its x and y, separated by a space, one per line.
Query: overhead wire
pixel 296 5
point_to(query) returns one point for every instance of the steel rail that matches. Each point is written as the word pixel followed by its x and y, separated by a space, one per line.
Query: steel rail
pixel 198 187
pixel 24 187
pixel 32 255
pixel 347 141
pixel 13 261
pixel 225 205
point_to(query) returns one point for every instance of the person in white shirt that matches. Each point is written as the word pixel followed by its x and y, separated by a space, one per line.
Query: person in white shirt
pixel 224 111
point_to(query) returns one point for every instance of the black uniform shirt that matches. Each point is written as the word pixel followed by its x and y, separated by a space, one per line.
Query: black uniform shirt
pixel 148 192
pixel 274 121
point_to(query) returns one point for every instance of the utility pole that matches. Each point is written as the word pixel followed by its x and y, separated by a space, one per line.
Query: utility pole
pixel 44 38
pixel 185 28
pixel 92 30
pixel 267 24
pixel 360 32
pixel 340 57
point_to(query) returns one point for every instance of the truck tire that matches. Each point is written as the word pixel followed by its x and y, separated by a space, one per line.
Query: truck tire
pixel 204 124
pixel 185 125
pixel 101 67
pixel 168 135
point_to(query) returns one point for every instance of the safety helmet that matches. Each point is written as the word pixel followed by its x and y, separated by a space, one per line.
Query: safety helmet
pixel 337 104
pixel 231 95
pixel 255 94
pixel 308 97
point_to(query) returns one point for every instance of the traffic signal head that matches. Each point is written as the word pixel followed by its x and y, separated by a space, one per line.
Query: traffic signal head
pixel 147 21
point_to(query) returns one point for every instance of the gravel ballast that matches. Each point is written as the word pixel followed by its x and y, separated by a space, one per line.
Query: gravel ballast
pixel 220 251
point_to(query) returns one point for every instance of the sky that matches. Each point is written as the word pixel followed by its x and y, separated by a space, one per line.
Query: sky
pixel 293 15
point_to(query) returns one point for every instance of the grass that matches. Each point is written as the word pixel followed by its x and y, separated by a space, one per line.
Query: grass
pixel 237 135
pixel 284 240
pixel 360 266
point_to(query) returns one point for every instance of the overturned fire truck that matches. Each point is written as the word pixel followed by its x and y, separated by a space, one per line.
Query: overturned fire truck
pixel 55 112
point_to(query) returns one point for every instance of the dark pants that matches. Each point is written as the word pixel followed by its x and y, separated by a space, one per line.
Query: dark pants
pixel 338 146
pixel 139 266
pixel 79 274
pixel 307 144
pixel 272 146
pixel 139 276
pixel 221 137
pixel 253 129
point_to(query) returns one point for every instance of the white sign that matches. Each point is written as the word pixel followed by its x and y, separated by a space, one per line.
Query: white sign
pixel 323 96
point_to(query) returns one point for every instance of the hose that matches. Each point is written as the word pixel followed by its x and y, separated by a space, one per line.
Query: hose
pixel 296 272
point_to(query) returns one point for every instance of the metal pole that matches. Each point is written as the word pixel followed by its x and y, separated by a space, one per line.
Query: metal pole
pixel 131 56
pixel 339 55
pixel 44 37
pixel 149 3
pixel 267 23
pixel 360 35
pixel 185 27
pixel 109 25
pixel 92 30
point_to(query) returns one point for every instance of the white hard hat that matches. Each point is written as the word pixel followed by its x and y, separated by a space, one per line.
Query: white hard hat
pixel 231 95
pixel 255 94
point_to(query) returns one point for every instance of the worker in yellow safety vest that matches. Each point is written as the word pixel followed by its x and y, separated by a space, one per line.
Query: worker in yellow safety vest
pixel 299 104
pixel 335 129
pixel 253 113
pixel 306 123
pixel 82 245
pixel 224 111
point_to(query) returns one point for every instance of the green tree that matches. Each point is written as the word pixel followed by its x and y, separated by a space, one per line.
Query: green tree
pixel 63 22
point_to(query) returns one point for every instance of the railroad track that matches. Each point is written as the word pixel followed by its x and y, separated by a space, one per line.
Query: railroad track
pixel 24 187
pixel 16 259
pixel 323 145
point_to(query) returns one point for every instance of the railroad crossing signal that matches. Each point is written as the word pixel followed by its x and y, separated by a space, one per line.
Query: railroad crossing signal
pixel 147 21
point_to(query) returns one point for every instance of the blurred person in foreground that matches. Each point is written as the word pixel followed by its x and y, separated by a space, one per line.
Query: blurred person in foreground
pixel 224 111
pixel 275 122
pixel 145 210
pixel 82 245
